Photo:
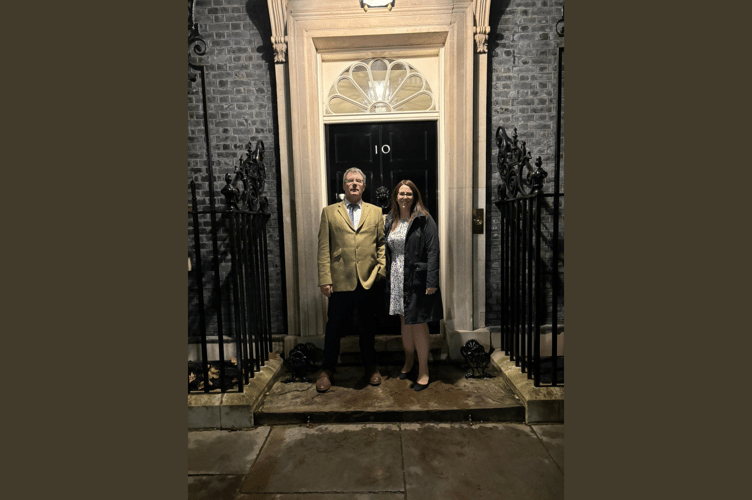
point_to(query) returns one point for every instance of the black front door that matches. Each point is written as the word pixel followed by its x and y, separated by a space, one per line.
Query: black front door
pixel 386 153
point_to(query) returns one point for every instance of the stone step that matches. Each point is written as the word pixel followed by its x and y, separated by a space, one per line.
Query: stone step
pixel 543 404
pixel 508 397
pixel 450 397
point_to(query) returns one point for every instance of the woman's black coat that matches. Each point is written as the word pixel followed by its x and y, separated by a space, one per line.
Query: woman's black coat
pixel 421 270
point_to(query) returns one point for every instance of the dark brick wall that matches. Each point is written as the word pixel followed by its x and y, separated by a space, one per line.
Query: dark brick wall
pixel 523 50
pixel 240 90
pixel 523 57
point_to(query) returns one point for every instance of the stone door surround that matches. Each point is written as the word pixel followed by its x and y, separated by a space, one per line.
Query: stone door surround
pixel 304 32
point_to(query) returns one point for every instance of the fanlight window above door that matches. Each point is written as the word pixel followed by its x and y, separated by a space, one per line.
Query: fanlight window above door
pixel 379 86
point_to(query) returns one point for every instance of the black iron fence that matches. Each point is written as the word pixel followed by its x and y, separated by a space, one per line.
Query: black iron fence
pixel 229 299
pixel 529 262
pixel 232 296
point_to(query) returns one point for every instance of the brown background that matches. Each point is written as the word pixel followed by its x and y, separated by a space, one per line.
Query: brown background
pixel 94 250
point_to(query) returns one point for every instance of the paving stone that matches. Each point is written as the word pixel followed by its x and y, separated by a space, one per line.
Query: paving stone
pixel 224 452
pixel 329 458
pixel 464 462
pixel 226 487
pixel 320 496
pixel 222 487
pixel 552 437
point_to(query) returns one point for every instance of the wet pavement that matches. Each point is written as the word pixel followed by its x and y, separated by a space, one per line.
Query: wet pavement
pixel 379 461
pixel 462 438
pixel 450 397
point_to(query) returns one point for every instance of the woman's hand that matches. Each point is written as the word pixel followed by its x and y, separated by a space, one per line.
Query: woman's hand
pixel 430 291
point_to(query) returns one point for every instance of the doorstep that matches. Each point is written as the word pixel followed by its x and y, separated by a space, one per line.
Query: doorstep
pixel 527 403
pixel 450 397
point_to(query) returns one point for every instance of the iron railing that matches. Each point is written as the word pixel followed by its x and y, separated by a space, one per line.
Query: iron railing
pixel 240 307
pixel 524 270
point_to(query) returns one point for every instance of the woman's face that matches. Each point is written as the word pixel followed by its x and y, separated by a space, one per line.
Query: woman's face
pixel 405 198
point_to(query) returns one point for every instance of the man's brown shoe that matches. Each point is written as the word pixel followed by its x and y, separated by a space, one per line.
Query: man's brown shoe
pixel 375 377
pixel 324 382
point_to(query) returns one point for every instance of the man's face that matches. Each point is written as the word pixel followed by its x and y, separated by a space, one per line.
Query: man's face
pixel 354 185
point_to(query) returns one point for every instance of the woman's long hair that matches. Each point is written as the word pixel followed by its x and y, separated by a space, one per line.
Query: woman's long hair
pixel 417 206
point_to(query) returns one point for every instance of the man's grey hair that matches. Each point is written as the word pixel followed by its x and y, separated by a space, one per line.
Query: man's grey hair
pixel 354 170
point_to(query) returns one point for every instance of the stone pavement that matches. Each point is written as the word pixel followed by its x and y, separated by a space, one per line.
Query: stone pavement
pixel 378 461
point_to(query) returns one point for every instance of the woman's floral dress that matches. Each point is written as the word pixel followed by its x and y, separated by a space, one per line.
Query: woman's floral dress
pixel 396 242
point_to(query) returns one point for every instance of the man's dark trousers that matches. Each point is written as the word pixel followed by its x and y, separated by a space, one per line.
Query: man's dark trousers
pixel 341 304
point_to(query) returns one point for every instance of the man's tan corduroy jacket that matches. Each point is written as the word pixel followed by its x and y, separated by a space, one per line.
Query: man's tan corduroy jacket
pixel 347 254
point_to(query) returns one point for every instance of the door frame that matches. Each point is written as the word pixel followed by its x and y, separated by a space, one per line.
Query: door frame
pixel 447 26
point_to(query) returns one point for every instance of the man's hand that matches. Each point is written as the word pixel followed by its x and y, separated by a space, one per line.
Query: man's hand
pixel 430 291
pixel 326 290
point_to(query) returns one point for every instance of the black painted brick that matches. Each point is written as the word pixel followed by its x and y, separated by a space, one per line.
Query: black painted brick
pixel 239 63
pixel 523 50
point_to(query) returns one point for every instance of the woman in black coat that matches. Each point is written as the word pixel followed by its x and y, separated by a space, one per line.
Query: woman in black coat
pixel 412 270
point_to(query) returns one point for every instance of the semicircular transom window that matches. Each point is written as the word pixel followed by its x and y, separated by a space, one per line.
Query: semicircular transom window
pixel 380 85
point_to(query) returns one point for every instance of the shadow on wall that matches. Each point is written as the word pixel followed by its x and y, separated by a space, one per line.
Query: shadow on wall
pixel 258 13
pixel 211 294
pixel 498 9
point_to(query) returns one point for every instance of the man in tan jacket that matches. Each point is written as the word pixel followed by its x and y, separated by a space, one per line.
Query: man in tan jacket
pixel 351 259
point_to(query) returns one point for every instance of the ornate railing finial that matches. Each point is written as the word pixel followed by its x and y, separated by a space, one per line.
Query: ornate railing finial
pixel 245 191
pixel 518 178
pixel 538 175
